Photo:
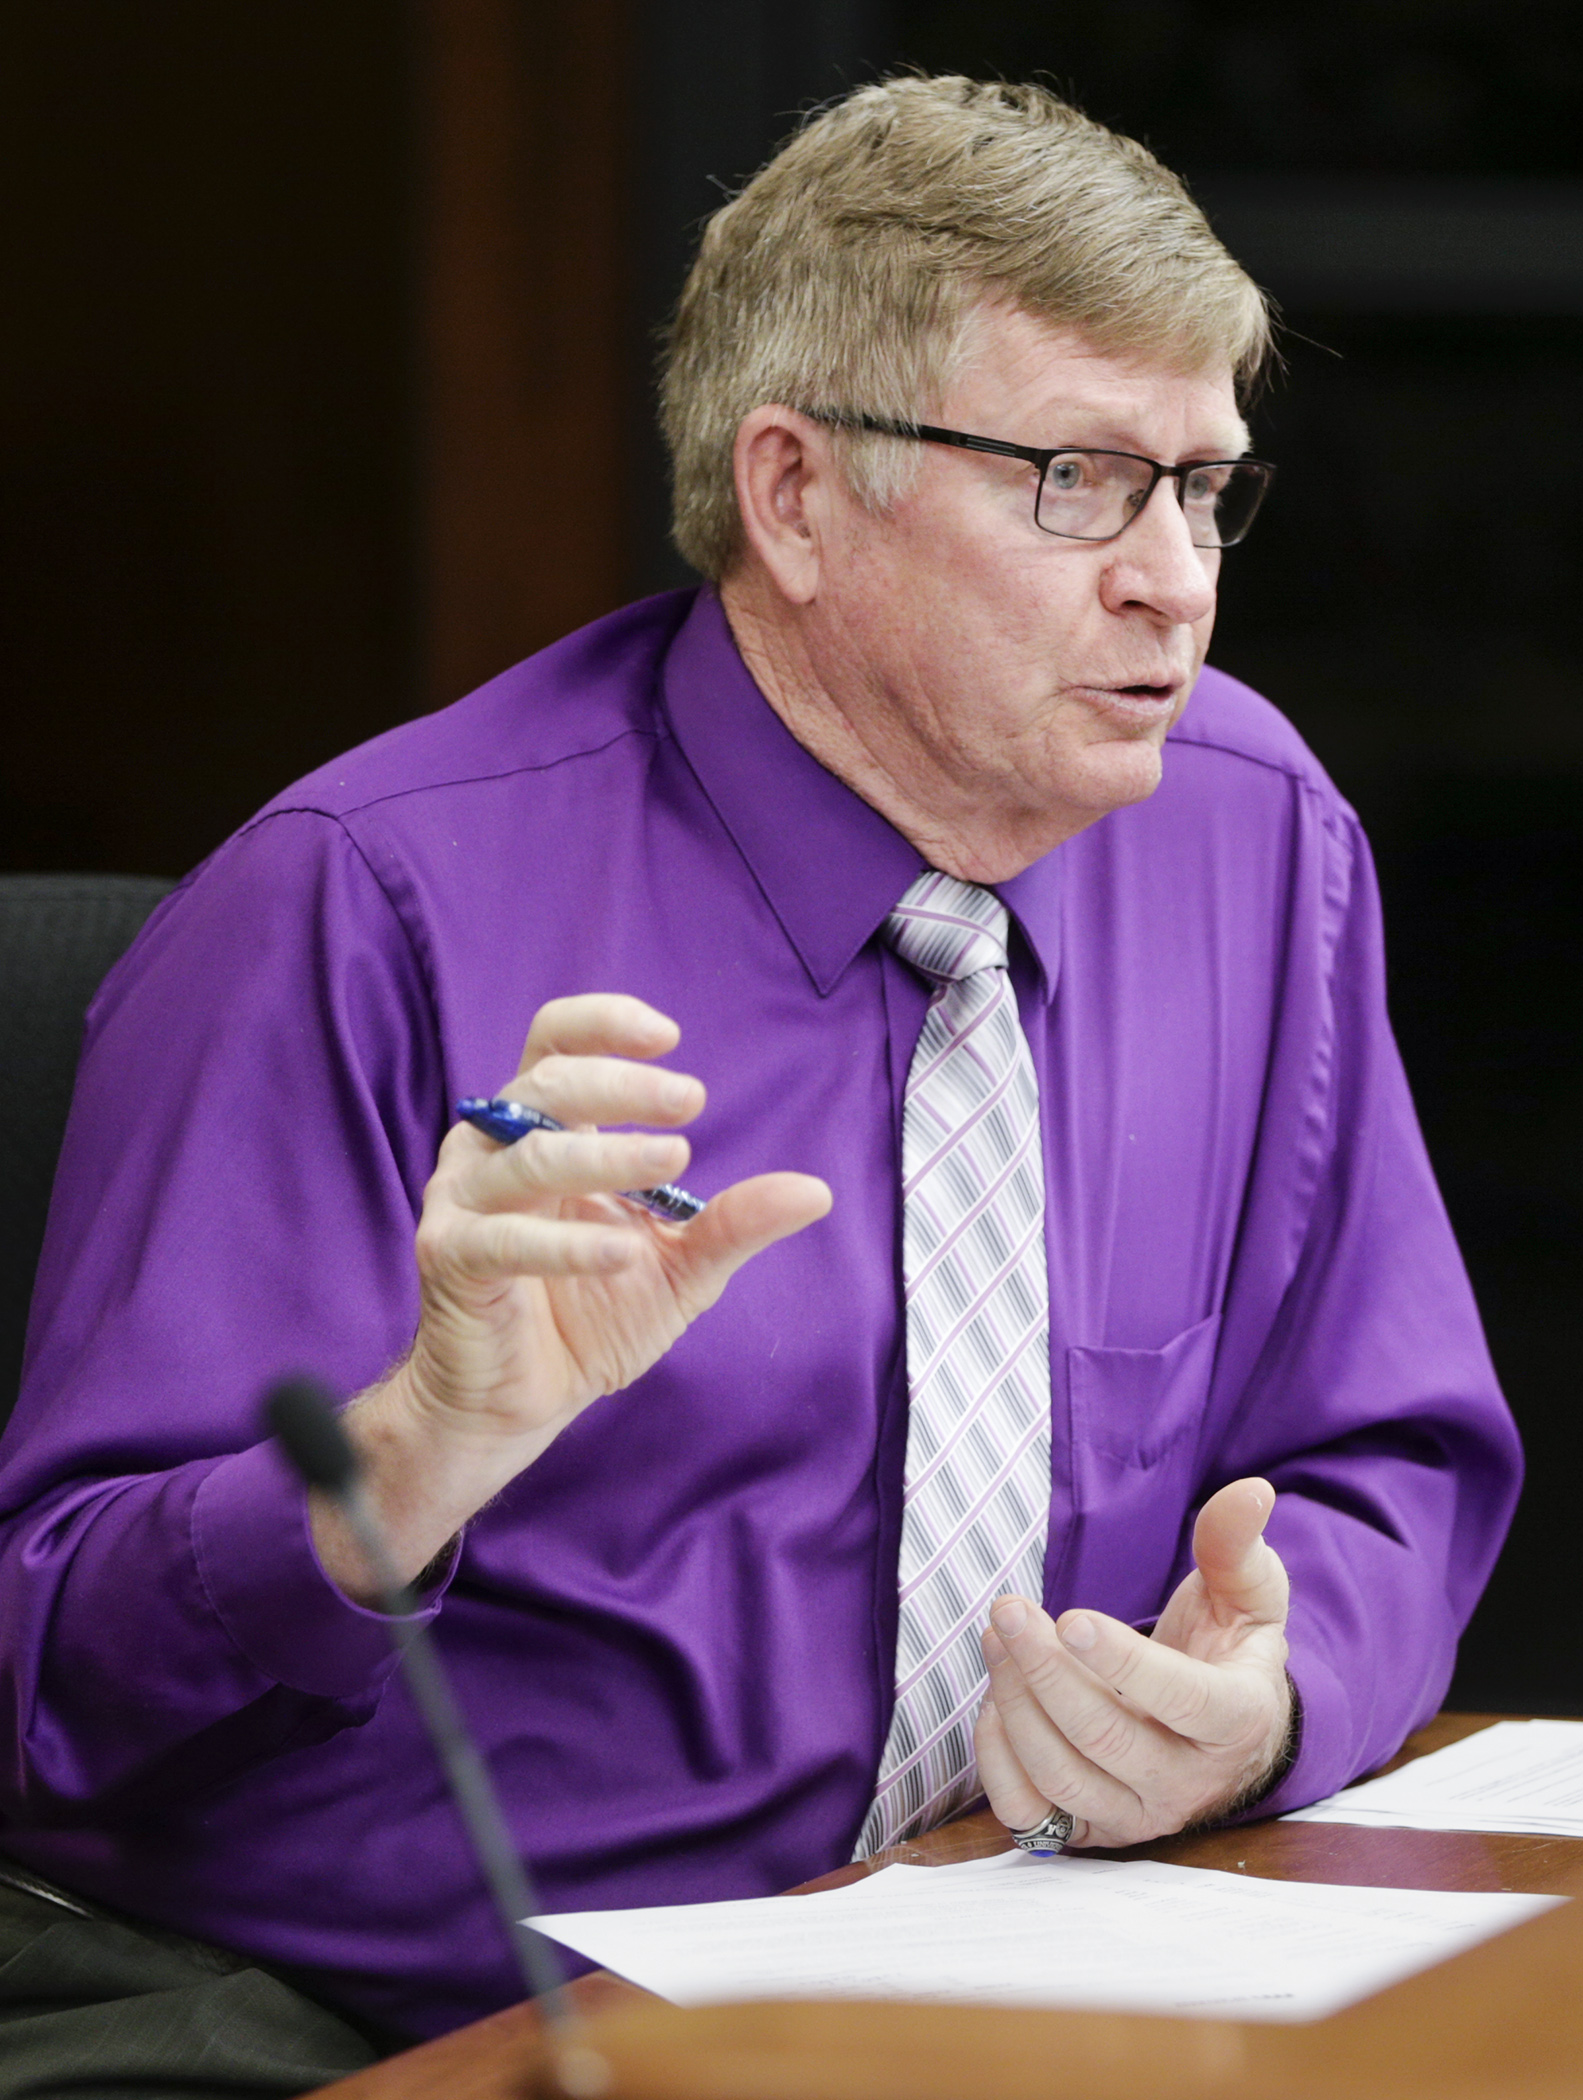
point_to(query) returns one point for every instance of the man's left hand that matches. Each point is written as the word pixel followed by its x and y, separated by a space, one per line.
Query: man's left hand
pixel 1134 1735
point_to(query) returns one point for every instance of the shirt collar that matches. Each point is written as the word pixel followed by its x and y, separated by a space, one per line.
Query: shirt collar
pixel 831 867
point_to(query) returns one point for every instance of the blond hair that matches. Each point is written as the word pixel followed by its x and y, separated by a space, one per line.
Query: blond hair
pixel 846 274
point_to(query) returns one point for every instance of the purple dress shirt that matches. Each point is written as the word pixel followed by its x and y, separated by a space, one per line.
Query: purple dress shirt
pixel 675 1632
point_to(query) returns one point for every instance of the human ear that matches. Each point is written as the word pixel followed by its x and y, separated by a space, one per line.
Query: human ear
pixel 782 467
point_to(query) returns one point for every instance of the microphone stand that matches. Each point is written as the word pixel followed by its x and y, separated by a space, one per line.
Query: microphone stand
pixel 300 1413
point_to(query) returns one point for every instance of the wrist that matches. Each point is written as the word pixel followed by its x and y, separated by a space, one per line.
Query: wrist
pixel 1291 1746
pixel 424 1474
pixel 1264 1782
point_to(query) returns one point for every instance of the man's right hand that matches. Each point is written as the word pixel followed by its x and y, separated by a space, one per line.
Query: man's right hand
pixel 541 1290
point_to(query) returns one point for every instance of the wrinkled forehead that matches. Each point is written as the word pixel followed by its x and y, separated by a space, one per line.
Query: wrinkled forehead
pixel 1042 383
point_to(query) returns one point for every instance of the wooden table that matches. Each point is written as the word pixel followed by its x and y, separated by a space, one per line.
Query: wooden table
pixel 1503 2019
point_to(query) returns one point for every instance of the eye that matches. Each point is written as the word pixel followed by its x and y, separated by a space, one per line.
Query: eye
pixel 1205 486
pixel 1090 495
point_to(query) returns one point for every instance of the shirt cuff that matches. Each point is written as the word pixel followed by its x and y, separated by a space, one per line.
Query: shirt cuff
pixel 1323 1746
pixel 254 1550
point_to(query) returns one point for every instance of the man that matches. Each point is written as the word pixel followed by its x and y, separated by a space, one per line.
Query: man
pixel 1056 1062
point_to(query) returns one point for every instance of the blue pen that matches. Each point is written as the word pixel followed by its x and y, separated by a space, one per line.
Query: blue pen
pixel 506 1121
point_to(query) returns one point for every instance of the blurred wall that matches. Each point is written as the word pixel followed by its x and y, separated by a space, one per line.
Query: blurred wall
pixel 527 177
pixel 206 385
pixel 313 388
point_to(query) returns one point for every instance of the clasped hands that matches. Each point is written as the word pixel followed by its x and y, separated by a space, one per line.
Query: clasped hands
pixel 541 1290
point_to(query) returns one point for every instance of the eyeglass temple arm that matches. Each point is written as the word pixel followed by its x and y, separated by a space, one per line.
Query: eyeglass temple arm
pixel 931 434
pixel 968 443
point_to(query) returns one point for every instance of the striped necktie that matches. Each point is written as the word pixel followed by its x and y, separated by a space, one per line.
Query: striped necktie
pixel 977 1496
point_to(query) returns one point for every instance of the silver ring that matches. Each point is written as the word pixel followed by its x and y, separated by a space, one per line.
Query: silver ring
pixel 1048 1836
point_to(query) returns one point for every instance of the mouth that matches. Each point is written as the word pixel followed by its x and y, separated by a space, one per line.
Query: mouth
pixel 1147 701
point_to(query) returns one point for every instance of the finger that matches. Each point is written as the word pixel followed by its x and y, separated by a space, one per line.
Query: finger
pixel 471 1247
pixel 1086 1714
pixel 594 1090
pixel 1012 1794
pixel 609 1024
pixel 1203 1701
pixel 737 1224
pixel 1242 1573
pixel 550 1164
pixel 1050 1755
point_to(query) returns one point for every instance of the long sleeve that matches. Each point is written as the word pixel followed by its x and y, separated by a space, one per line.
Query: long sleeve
pixel 256 1113
pixel 1373 1407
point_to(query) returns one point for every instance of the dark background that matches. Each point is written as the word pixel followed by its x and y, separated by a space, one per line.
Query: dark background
pixel 324 395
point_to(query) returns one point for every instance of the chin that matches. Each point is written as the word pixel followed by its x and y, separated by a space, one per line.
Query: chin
pixel 1117 776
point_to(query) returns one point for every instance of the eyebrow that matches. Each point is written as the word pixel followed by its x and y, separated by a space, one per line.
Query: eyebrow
pixel 1234 448
pixel 1114 418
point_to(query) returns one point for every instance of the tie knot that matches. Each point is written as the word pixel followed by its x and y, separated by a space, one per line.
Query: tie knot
pixel 948 929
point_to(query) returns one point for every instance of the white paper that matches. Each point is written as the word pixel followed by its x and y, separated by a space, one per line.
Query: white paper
pixel 1068 1931
pixel 1514 1775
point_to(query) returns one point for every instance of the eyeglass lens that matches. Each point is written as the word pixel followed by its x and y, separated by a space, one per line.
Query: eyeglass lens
pixel 1095 495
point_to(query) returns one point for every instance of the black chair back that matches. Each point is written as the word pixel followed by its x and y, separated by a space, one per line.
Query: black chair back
pixel 59 934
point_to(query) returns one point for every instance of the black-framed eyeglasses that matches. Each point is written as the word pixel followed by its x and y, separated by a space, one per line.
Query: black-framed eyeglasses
pixel 1088 494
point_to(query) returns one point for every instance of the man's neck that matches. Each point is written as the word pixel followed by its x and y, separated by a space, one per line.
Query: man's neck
pixel 949 832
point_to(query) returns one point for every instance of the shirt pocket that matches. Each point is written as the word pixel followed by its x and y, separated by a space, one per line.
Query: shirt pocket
pixel 1136 1414
pixel 1137 1417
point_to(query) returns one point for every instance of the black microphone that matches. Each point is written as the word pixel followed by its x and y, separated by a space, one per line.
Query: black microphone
pixel 301 1414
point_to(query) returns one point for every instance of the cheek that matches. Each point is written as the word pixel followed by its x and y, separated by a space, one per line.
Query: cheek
pixel 1035 626
pixel 942 604
pixel 968 605
pixel 1012 601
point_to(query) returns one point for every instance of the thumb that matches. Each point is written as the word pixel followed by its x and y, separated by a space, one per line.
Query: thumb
pixel 737 1224
pixel 1242 1575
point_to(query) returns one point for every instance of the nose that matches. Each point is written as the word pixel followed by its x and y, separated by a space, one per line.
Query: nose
pixel 1155 566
